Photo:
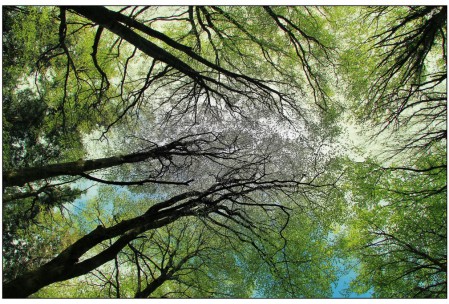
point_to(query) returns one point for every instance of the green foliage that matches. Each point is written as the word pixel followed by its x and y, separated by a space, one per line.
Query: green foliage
pixel 304 268
pixel 32 135
pixel 27 31
pixel 39 222
pixel 398 223
pixel 398 230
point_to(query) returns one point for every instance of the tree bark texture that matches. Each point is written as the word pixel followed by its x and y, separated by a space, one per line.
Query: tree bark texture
pixel 22 176
pixel 109 19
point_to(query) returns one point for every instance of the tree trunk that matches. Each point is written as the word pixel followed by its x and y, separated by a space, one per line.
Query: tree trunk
pixel 108 19
pixel 20 177
pixel 152 287
pixel 25 175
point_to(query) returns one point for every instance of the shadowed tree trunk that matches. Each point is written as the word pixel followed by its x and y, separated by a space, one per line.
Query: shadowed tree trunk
pixel 22 176
pixel 109 19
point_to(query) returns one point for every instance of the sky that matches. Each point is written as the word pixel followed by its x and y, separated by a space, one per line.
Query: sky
pixel 343 283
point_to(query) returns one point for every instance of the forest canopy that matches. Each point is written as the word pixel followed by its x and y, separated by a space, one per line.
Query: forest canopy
pixel 224 151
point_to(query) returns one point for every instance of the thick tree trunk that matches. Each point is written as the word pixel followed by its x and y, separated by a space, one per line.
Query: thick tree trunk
pixel 152 287
pixel 21 176
pixel 108 19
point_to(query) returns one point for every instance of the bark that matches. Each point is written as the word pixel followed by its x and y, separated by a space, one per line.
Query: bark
pixel 108 19
pixel 152 287
pixel 22 176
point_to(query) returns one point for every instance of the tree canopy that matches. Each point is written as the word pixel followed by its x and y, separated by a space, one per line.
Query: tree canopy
pixel 203 151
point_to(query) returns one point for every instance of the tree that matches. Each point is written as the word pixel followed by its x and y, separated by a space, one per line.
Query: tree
pixel 398 228
pixel 231 170
pixel 406 55
pixel 232 179
pixel 399 231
